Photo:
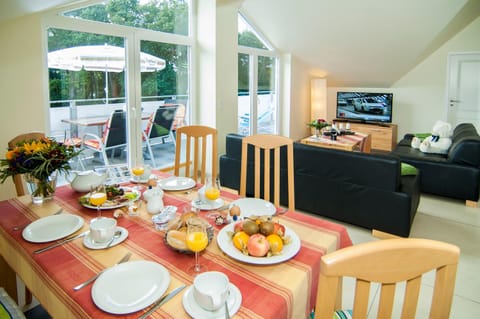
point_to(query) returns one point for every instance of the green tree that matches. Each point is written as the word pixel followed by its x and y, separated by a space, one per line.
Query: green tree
pixel 166 16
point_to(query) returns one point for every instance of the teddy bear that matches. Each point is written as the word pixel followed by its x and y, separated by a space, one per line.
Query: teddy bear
pixel 437 143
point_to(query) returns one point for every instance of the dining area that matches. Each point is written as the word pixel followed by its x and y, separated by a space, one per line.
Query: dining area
pixel 285 289
pixel 172 244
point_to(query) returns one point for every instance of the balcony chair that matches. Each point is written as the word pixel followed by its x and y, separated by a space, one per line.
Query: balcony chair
pixel 264 144
pixel 114 136
pixel 201 138
pixel 388 262
pixel 160 123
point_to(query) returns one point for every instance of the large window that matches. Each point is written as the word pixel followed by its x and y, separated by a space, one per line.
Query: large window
pixel 135 57
pixel 257 83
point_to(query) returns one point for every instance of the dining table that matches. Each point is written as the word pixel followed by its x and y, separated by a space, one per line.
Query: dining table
pixel 286 289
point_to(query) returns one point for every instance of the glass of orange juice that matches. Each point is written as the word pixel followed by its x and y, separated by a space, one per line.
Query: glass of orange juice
pixel 97 197
pixel 212 191
pixel 197 241
pixel 137 171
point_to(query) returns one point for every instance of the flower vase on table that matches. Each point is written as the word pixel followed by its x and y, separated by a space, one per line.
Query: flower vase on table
pixel 41 188
pixel 319 126
pixel 40 160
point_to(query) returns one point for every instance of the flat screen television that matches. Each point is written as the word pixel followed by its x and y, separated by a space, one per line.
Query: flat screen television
pixel 365 107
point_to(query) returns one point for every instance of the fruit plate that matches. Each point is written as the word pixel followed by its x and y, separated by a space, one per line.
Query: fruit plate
pixel 225 243
pixel 117 202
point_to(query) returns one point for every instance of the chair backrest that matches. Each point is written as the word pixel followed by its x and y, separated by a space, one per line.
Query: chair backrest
pixel 388 262
pixel 161 123
pixel 268 143
pixel 116 129
pixel 20 186
pixel 199 135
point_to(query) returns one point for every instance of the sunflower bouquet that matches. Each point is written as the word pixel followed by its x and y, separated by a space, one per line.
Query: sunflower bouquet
pixel 38 159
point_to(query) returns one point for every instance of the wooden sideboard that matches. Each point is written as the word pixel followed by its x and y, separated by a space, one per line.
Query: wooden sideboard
pixel 384 137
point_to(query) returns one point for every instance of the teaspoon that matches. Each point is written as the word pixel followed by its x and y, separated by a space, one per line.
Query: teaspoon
pixel 117 234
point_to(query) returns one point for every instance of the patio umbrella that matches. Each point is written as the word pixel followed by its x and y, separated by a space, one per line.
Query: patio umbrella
pixel 106 58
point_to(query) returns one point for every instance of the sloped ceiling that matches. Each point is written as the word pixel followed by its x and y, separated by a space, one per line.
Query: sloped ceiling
pixel 355 43
pixel 359 43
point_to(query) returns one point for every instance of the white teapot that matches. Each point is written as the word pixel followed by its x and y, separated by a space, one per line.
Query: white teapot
pixel 83 181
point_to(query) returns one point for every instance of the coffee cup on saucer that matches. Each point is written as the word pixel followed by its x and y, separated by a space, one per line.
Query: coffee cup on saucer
pixel 102 229
pixel 210 290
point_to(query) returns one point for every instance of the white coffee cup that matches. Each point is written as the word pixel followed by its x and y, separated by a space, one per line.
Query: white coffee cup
pixel 210 290
pixel 102 229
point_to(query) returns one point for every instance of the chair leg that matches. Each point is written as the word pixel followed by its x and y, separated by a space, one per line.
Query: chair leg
pixel 149 148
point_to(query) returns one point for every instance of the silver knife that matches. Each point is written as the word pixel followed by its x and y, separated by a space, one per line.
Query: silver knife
pixel 60 243
pixel 85 283
pixel 161 301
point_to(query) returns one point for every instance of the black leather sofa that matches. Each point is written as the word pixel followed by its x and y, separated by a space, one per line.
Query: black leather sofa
pixel 455 174
pixel 361 189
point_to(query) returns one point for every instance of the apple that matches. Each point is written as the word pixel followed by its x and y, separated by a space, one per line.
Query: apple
pixel 238 226
pixel 257 245
pixel 279 229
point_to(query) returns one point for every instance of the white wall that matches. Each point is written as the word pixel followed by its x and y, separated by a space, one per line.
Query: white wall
pixel 299 107
pixel 22 93
pixel 419 97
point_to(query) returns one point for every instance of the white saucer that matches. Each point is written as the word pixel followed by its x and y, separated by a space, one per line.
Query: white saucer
pixel 204 205
pixel 234 301
pixel 89 243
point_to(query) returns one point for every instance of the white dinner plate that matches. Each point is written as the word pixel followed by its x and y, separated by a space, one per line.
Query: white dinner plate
pixel 113 204
pixel 89 243
pixel 206 205
pixel 234 301
pixel 254 206
pixel 224 241
pixel 52 227
pixel 175 183
pixel 130 286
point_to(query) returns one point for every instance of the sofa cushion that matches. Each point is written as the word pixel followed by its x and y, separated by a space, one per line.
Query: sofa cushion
pixel 465 149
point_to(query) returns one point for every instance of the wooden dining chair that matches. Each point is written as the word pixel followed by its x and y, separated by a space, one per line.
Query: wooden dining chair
pixel 266 144
pixel 18 180
pixel 194 164
pixel 388 262
pixel 21 189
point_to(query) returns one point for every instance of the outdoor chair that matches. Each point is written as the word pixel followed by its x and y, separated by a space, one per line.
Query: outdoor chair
pixel 159 126
pixel 264 145
pixel 195 165
pixel 114 136
pixel 388 263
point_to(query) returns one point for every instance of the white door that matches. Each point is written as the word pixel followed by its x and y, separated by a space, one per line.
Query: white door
pixel 464 89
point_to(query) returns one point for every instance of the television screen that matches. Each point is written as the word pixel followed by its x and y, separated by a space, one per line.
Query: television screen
pixel 365 107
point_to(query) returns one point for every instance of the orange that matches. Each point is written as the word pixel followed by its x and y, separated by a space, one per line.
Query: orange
pixel 276 243
pixel 240 240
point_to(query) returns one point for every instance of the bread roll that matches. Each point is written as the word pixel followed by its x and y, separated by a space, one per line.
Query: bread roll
pixel 177 239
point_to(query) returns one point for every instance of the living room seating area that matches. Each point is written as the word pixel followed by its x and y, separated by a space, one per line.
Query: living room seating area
pixel 367 190
pixel 455 174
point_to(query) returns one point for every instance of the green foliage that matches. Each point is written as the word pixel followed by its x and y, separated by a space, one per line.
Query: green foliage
pixel 166 16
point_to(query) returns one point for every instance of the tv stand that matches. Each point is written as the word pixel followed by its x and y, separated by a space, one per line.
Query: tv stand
pixel 384 136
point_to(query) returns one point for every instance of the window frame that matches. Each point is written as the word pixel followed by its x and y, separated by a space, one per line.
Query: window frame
pixel 133 36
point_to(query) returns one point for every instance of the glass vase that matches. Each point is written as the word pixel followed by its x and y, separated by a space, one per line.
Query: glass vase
pixel 41 189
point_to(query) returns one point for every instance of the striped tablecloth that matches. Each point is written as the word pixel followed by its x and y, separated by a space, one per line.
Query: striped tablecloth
pixel 285 290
